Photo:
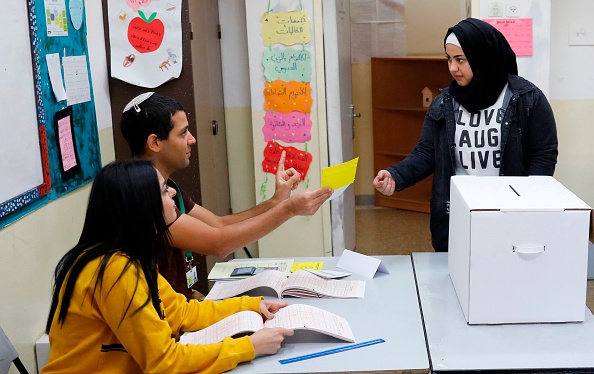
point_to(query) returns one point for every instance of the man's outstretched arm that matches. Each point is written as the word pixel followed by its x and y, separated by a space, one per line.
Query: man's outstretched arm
pixel 190 233
pixel 285 182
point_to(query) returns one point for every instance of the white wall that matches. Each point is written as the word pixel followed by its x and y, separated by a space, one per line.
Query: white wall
pixel 535 68
pixel 572 96
pixel 31 247
pixel 571 87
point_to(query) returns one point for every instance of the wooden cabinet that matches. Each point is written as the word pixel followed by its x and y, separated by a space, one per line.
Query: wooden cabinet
pixel 398 113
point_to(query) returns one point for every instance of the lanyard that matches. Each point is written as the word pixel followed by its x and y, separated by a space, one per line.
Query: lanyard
pixel 182 208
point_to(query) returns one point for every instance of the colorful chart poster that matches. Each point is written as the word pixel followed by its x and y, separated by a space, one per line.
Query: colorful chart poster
pixel 146 41
pixel 286 28
pixel 295 158
pixel 55 17
pixel 294 127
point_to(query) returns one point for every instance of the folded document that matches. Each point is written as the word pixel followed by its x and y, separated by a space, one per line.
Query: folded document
pixel 299 284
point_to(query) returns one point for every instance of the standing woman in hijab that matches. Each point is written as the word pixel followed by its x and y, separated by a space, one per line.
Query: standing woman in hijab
pixel 489 121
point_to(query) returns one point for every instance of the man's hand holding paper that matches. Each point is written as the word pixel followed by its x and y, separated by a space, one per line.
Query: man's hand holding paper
pixel 339 177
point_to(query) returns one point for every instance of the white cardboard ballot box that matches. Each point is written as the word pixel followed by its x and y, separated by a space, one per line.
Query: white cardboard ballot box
pixel 518 249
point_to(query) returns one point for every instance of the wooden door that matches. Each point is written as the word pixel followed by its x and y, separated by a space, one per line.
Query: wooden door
pixel 190 96
pixel 209 107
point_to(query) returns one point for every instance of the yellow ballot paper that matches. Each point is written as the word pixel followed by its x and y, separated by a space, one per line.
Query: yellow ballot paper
pixel 307 265
pixel 340 176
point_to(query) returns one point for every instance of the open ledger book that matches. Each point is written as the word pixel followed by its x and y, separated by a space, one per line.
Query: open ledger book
pixel 299 284
pixel 295 316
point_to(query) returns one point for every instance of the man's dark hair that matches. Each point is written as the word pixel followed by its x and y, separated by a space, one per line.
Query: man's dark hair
pixel 151 116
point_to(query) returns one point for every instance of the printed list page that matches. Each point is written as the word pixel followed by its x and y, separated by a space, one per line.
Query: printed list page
pixel 305 284
pixel 240 322
pixel 301 316
pixel 273 279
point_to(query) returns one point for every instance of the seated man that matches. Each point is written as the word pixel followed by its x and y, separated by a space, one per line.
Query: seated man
pixel 156 128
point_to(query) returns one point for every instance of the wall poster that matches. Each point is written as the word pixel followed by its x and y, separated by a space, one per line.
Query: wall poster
pixel 146 41
pixel 287 94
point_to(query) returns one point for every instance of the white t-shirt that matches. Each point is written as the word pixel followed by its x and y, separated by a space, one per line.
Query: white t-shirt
pixel 478 139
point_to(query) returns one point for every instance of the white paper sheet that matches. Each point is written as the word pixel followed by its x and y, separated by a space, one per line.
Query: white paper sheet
pixel 360 264
pixel 76 77
pixel 55 74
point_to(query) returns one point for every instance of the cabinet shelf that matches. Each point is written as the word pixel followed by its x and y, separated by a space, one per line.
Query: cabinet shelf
pixel 392 154
pixel 402 108
pixel 398 112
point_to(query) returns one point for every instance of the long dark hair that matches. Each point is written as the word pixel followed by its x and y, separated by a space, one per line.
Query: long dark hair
pixel 124 214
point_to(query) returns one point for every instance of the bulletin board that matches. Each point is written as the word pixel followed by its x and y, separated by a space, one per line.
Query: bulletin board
pixel 50 143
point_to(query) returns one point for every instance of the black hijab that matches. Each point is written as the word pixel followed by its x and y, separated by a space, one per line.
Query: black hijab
pixel 490 58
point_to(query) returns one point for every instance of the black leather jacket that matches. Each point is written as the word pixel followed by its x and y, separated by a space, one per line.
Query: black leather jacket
pixel 528 147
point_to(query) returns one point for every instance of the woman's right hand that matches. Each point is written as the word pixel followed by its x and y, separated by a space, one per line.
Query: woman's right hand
pixel 384 183
pixel 268 340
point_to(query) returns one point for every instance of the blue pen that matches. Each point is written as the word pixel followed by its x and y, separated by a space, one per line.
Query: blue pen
pixel 331 351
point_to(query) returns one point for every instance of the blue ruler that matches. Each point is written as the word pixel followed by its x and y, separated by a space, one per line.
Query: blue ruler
pixel 331 351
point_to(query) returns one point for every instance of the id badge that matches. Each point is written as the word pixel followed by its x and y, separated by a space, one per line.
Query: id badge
pixel 191 276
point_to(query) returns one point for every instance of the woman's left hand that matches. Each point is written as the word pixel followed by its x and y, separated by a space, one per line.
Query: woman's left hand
pixel 268 307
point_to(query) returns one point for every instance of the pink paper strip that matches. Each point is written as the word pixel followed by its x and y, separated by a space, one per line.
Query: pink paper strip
pixel 294 127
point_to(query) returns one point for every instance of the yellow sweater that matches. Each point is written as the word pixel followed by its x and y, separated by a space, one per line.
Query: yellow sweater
pixel 92 340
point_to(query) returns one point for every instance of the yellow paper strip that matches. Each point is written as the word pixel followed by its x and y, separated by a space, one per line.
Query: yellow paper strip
pixel 307 265
pixel 340 175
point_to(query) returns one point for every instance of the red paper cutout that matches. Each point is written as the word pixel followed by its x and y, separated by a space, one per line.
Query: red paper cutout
pixel 295 158
pixel 146 34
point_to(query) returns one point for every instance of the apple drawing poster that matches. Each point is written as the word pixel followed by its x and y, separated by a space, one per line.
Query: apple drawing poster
pixel 146 41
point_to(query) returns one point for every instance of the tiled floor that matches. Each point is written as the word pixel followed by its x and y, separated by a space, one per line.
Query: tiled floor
pixel 386 231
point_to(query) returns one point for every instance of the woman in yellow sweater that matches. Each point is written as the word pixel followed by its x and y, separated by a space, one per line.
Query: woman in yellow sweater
pixel 111 311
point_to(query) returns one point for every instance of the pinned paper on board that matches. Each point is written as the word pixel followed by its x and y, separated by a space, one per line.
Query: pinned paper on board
pixel 286 28
pixel 76 8
pixel 55 18
pixel 295 158
pixel 67 148
pixel 339 177
pixel 294 127
pixel 55 73
pixel 76 77
pixel 518 33
pixel 287 97
pixel 361 264
pixel 288 65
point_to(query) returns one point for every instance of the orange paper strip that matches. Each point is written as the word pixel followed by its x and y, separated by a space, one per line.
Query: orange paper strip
pixel 288 97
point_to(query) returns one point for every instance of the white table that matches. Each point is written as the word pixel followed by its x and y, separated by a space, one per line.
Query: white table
pixel 390 310
pixel 455 346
